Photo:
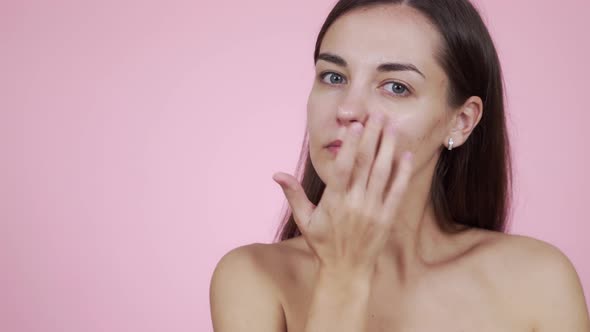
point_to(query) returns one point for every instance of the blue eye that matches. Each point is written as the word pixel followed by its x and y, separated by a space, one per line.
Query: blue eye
pixel 399 89
pixel 336 78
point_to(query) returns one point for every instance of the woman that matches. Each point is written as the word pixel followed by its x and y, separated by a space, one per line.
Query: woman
pixel 399 223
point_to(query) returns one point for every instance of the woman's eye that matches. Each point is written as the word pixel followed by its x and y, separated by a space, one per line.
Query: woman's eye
pixel 398 88
pixel 334 78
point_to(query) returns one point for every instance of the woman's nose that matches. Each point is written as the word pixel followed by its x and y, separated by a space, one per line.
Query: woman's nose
pixel 347 114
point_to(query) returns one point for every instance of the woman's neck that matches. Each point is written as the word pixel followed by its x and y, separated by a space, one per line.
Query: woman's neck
pixel 417 242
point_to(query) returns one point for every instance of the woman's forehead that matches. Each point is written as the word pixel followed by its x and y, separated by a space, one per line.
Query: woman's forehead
pixel 377 35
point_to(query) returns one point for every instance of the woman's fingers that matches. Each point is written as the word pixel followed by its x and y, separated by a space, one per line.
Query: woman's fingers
pixel 345 159
pixel 383 166
pixel 301 207
pixel 399 186
pixel 365 155
pixel 345 230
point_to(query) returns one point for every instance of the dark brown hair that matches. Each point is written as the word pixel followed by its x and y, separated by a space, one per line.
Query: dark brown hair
pixel 472 184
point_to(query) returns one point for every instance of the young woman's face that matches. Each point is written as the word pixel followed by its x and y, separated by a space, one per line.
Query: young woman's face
pixel 414 100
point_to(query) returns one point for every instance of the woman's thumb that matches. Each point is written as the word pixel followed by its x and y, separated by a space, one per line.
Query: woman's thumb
pixel 301 206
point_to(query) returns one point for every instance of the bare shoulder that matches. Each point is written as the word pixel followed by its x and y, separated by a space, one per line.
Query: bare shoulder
pixel 243 286
pixel 251 279
pixel 520 257
pixel 539 280
pixel 268 262
pixel 520 253
pixel 519 249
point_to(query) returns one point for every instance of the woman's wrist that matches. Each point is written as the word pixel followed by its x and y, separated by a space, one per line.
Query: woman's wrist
pixel 346 282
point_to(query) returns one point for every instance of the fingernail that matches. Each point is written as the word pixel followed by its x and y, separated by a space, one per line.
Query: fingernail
pixel 378 117
pixel 356 128
pixel 391 128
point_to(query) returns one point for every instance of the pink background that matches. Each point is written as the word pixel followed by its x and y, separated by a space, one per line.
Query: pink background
pixel 138 140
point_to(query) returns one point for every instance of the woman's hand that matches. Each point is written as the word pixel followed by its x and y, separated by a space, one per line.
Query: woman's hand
pixel 352 222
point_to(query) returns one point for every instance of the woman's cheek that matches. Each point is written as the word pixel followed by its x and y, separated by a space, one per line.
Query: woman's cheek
pixel 405 133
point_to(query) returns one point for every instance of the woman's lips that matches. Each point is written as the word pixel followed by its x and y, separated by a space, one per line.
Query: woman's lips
pixel 333 149
pixel 334 146
pixel 335 143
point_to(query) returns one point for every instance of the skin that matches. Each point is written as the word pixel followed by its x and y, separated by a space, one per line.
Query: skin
pixel 425 279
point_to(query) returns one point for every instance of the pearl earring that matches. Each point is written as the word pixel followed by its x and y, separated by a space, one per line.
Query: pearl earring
pixel 451 144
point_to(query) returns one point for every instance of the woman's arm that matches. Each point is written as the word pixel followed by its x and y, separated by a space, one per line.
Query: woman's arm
pixel 339 303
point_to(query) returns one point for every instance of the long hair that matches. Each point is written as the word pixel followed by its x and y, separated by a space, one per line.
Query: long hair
pixel 471 185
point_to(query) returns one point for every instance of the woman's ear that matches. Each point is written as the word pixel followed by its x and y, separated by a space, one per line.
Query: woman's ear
pixel 464 121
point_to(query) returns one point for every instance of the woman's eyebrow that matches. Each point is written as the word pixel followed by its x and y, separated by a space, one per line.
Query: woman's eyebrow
pixel 384 67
